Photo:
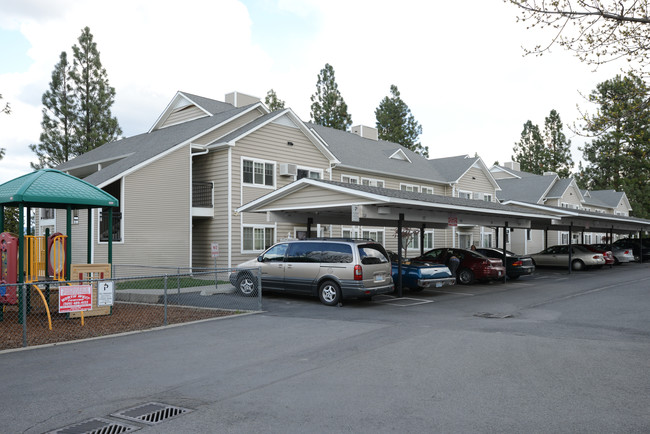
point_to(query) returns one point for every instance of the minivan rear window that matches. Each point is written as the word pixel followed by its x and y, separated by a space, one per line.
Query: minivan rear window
pixel 335 253
pixel 372 254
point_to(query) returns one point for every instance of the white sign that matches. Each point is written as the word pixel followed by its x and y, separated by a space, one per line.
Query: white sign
pixel 355 213
pixel 105 293
pixel 215 250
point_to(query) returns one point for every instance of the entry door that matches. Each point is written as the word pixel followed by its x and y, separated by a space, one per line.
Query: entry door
pixel 464 241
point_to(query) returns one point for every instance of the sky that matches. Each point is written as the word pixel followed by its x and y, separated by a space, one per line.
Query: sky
pixel 459 66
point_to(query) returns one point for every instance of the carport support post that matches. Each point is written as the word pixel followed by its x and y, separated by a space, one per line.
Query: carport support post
pixel 422 239
pixel 68 246
pixel 545 238
pixel 641 246
pixel 310 221
pixel 400 224
pixel 505 230
pixel 570 247
pixel 110 235
pixel 89 245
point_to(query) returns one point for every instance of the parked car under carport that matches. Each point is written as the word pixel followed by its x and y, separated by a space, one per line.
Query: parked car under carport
pixel 516 265
pixel 558 256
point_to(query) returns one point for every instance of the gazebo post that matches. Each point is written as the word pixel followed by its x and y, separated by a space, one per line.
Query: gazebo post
pixel 110 235
pixel 89 245
pixel 2 218
pixel 68 247
pixel 21 268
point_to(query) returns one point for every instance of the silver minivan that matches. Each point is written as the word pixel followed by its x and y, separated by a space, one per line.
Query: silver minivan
pixel 333 269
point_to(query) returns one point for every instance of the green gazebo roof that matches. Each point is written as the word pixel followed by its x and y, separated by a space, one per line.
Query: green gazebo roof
pixel 54 189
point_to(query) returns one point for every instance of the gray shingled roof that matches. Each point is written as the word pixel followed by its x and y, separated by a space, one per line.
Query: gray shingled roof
pixel 527 189
pixel 518 173
pixel 142 147
pixel 603 198
pixel 373 155
pixel 211 105
pixel 559 188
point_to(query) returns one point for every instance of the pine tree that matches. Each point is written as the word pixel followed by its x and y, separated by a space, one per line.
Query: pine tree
pixel 273 102
pixel 396 123
pixel 618 157
pixel 549 151
pixel 94 123
pixel 328 107
pixel 57 142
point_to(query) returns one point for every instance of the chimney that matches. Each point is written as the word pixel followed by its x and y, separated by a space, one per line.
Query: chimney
pixel 513 165
pixel 239 99
pixel 365 132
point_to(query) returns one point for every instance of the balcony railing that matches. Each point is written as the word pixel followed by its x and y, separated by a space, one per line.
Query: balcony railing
pixel 201 194
pixel 103 226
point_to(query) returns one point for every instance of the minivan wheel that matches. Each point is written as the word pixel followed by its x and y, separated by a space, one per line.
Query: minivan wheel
pixel 246 285
pixel 465 276
pixel 329 293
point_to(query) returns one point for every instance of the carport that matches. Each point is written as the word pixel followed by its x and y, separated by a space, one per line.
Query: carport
pixel 313 201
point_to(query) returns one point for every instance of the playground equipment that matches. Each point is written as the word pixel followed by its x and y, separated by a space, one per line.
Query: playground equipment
pixel 8 267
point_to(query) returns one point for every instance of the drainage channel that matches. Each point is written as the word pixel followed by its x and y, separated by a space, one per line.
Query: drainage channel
pixel 150 413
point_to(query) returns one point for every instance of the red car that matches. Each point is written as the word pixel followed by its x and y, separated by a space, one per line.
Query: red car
pixel 473 265
pixel 609 256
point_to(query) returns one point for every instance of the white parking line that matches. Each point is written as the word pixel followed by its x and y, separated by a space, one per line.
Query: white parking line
pixel 396 301
pixel 449 292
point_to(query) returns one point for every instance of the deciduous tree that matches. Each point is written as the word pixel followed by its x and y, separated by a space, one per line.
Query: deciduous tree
pixel 596 31
pixel 327 105
pixel 397 124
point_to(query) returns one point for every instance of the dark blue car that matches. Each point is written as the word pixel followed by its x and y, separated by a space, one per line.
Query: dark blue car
pixel 421 275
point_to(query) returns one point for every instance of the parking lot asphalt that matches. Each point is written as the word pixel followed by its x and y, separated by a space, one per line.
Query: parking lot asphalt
pixel 552 352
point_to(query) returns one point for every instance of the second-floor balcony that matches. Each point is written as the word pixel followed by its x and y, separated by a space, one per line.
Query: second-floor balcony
pixel 202 199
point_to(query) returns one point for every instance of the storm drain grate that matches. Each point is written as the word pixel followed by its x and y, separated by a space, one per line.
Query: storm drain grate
pixel 96 426
pixel 151 413
pixel 493 315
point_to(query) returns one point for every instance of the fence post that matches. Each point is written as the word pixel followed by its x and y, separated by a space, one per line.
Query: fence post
pixel 23 311
pixel 178 281
pixel 165 302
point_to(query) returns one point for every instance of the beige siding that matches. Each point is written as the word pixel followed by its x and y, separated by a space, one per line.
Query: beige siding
pixel 231 126
pixel 183 115
pixel 155 214
pixel 476 181
pixel 392 182
pixel 571 196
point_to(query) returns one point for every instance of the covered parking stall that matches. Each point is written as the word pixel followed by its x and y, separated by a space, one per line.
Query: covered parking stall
pixel 576 221
pixel 312 201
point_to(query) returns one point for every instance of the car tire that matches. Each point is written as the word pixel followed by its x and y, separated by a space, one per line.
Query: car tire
pixel 577 265
pixel 465 276
pixel 329 293
pixel 247 285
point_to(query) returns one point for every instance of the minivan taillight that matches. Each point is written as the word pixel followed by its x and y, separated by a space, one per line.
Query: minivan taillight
pixel 358 272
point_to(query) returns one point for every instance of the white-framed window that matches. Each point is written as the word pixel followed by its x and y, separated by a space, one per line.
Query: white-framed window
pixel 373 234
pixel 487 239
pixel 564 238
pixel 426 190
pixel 309 172
pixel 350 179
pixel 409 187
pixel 372 182
pixel 464 241
pixel 487 197
pixel 350 232
pixel 48 213
pixel 75 216
pixel 588 239
pixel 529 234
pixel 464 194
pixel 258 173
pixel 257 238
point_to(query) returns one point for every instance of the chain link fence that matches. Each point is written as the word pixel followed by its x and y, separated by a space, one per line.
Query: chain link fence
pixel 48 312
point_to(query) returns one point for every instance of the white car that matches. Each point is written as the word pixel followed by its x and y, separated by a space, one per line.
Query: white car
pixel 558 256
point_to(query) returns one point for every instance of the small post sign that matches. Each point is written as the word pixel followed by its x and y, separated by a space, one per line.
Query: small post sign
pixel 453 221
pixel 75 298
pixel 105 293
pixel 355 213
pixel 215 250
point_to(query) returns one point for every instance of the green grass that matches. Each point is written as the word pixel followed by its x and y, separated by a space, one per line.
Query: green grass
pixel 159 283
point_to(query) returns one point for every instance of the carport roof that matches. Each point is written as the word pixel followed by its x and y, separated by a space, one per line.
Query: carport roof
pixel 333 202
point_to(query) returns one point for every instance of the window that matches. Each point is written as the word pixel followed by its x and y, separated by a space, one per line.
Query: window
pixel 487 197
pixel 276 254
pixel 257 172
pixel 47 213
pixel 257 238
pixel 564 238
pixel 372 182
pixel 427 190
pixel 464 194
pixel 409 187
pixel 350 179
pixel 529 234
pixel 304 172
pixel 75 216
pixel 588 239
pixel 104 223
pixel 350 233
pixel 487 240
pixel 464 241
pixel 375 235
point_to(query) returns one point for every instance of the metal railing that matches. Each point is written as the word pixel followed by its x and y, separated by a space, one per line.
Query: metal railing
pixel 202 194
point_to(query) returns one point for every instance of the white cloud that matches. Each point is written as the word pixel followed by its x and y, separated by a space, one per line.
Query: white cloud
pixel 459 66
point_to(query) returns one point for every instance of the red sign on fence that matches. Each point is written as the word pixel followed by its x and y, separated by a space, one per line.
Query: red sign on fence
pixel 75 298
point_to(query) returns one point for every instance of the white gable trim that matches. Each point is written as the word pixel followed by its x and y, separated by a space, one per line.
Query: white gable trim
pixel 479 164
pixel 179 100
pixel 400 155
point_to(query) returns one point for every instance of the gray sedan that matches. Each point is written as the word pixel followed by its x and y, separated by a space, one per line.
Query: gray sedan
pixel 621 254
pixel 558 256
